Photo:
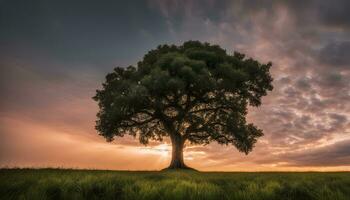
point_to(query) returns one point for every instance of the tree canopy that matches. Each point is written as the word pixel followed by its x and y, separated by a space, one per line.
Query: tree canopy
pixel 195 92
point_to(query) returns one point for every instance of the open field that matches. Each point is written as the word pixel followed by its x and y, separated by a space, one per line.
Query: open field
pixel 91 184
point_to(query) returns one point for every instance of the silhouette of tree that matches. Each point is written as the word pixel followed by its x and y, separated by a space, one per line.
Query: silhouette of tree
pixel 195 92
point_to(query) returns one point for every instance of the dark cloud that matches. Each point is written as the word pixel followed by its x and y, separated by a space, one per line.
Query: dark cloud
pixel 335 13
pixel 79 34
pixel 336 54
pixel 337 154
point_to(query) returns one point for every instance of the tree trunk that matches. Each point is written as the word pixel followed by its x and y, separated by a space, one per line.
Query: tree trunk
pixel 177 159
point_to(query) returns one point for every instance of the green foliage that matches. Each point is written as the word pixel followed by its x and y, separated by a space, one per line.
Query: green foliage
pixel 84 184
pixel 196 92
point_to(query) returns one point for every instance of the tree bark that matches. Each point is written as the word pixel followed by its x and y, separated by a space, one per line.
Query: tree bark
pixel 177 160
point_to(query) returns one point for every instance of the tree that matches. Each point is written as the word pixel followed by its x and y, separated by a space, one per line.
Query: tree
pixel 195 92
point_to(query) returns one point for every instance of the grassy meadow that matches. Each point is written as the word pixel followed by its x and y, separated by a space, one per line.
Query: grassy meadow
pixel 95 184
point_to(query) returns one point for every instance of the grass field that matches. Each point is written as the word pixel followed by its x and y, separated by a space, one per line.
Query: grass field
pixel 90 184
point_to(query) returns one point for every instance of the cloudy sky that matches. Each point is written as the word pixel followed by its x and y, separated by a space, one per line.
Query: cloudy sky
pixel 55 54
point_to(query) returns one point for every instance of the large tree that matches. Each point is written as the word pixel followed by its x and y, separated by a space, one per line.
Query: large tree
pixel 195 92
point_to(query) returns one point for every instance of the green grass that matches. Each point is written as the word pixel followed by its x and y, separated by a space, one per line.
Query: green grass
pixel 93 184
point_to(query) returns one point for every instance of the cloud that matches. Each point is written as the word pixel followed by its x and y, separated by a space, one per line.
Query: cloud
pixel 336 54
pixel 337 154
pixel 308 44
pixel 334 13
pixel 305 119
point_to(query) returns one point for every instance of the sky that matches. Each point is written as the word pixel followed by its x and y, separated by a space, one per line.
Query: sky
pixel 55 54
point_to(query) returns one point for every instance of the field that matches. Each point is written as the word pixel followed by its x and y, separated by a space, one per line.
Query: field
pixel 94 184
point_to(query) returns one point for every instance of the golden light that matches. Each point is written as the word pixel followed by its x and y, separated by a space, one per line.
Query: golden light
pixel 162 150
